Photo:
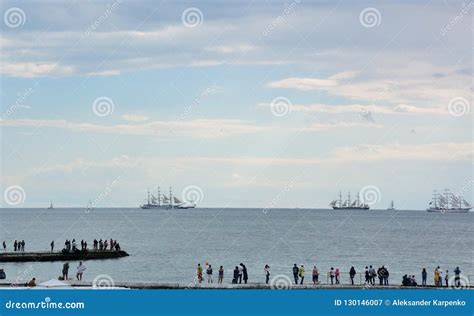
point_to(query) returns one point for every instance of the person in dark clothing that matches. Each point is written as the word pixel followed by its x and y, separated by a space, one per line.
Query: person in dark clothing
pixel 4 246
pixel 457 278
pixel 245 275
pixel 295 273
pixel 386 274
pixel 424 275
pixel 267 273
pixel 65 270
pixel 236 275
pixel 352 273
pixel 52 246
pixel 380 276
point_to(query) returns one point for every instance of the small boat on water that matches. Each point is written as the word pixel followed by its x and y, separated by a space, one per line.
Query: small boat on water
pixel 161 201
pixel 348 204
pixel 391 207
pixel 50 207
pixel 448 202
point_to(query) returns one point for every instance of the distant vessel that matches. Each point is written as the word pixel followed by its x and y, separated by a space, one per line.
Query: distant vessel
pixel 448 202
pixel 89 206
pixel 391 207
pixel 50 207
pixel 339 204
pixel 161 201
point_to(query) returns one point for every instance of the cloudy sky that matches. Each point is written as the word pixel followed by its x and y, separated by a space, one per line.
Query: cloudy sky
pixel 259 103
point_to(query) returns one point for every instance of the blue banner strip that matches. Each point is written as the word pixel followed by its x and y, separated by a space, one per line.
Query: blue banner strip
pixel 236 302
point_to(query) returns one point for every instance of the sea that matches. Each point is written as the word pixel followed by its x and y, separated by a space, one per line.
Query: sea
pixel 167 245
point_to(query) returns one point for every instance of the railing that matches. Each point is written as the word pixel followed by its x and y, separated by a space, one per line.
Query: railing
pixel 344 278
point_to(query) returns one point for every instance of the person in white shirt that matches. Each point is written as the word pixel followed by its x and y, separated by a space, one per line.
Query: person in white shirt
pixel 80 271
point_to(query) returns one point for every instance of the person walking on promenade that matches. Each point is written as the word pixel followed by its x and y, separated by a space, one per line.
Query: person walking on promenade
pixel 209 274
pixel 315 275
pixel 337 274
pixel 267 273
pixel 424 275
pixel 236 275
pixel 436 277
pixel 457 277
pixel 80 270
pixel 440 278
pixel 199 273
pixel 65 271
pixel 295 273
pixel 372 275
pixel 220 279
pixel 52 245
pixel 245 274
pixel 446 278
pixel 241 272
pixel 4 246
pixel 332 274
pixel 386 274
pixel 301 274
pixel 352 273
pixel 367 276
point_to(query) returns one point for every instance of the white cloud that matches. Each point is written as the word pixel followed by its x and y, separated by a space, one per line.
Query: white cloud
pixel 135 118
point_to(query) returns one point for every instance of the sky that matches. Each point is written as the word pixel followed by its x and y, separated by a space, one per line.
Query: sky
pixel 235 104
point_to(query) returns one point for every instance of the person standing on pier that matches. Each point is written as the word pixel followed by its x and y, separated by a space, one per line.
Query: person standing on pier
pixel 337 275
pixel 52 245
pixel 440 278
pixel 352 273
pixel 295 273
pixel 199 273
pixel 80 270
pixel 424 276
pixel 367 276
pixel 236 275
pixel 221 275
pixel 315 275
pixel 457 278
pixel 436 277
pixel 245 274
pixel 267 273
pixel 23 245
pixel 15 245
pixel 4 246
pixel 372 275
pixel 332 274
pixel 65 271
pixel 446 278
pixel 241 272
pixel 301 274
pixel 209 274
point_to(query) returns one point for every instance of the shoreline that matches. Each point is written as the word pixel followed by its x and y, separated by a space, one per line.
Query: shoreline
pixel 249 286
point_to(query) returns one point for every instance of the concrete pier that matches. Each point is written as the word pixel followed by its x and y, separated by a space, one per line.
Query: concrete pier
pixel 20 256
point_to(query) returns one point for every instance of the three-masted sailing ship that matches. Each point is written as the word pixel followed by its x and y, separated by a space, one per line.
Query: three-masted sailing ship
pixel 161 201
pixel 448 202
pixel 348 204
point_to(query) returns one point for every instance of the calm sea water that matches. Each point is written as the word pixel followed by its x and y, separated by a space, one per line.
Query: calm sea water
pixel 166 245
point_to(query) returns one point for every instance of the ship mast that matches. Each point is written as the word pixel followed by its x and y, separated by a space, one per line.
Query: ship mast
pixel 171 198
pixel 340 198
pixel 159 197
pixel 148 196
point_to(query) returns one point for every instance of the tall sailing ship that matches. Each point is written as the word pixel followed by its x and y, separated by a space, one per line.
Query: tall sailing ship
pixel 448 202
pixel 348 204
pixel 161 201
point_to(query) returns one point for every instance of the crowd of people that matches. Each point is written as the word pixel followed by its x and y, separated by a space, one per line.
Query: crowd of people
pixel 100 245
pixel 240 273
pixel 18 245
